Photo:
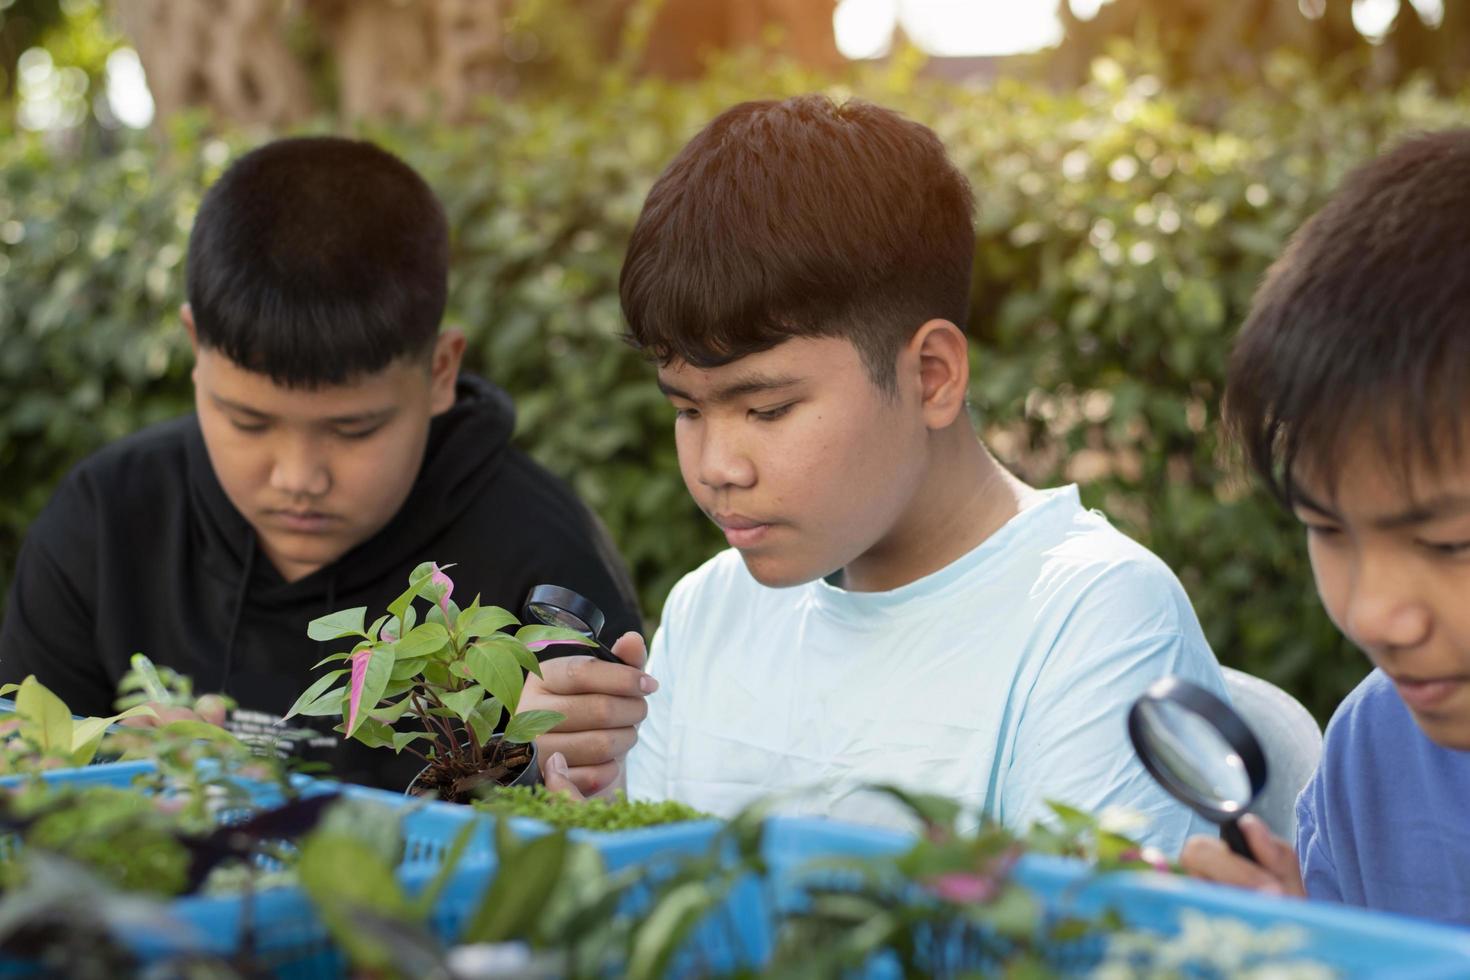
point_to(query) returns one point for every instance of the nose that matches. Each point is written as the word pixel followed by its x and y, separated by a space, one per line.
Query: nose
pixel 724 460
pixel 1385 610
pixel 300 470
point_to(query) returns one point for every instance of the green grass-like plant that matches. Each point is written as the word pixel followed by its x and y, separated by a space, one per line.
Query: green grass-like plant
pixel 617 813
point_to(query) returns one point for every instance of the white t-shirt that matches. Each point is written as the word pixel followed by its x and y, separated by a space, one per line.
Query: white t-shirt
pixel 1002 680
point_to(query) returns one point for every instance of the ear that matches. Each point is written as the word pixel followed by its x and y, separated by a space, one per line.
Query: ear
pixel 186 316
pixel 942 353
pixel 444 370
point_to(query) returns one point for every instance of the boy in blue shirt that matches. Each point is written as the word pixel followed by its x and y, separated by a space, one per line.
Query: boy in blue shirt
pixel 895 606
pixel 1348 391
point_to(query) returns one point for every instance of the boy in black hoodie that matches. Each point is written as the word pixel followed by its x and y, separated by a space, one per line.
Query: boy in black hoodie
pixel 335 446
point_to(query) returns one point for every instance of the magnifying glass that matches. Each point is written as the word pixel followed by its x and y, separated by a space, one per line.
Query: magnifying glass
pixel 551 605
pixel 1201 751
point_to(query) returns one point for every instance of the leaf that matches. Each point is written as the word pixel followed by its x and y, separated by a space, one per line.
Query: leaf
pixel 423 903
pixel 463 703
pixel 424 640
pixel 315 691
pixel 48 720
pixel 330 703
pixel 373 734
pixel 392 712
pixel 8 690
pixel 667 926
pixel 516 648
pixel 87 734
pixel 332 659
pixel 510 906
pixel 346 878
pixel 497 669
pixel 482 621
pixel 404 669
pixel 401 739
pixel 541 637
pixel 417 579
pixel 371 671
pixel 530 725
pixel 148 677
pixel 334 626
pixel 486 719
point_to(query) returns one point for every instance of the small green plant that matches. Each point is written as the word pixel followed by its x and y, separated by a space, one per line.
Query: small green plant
pixel 559 810
pixel 162 688
pixel 456 673
pixel 43 734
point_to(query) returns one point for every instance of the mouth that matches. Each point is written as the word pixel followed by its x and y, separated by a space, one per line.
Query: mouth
pixel 304 521
pixel 1428 693
pixel 741 531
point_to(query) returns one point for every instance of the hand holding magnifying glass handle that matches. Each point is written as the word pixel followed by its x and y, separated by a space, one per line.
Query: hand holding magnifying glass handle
pixel 603 704
pixel 1272 867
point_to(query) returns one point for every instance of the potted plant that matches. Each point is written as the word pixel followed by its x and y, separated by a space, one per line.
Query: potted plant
pixel 455 673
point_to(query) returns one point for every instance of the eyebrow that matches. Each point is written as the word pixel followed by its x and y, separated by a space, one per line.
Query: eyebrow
pixel 739 388
pixel 358 418
pixel 1435 508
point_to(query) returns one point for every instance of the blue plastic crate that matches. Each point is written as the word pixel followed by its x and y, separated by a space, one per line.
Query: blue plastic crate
pixel 1353 942
pixel 289 938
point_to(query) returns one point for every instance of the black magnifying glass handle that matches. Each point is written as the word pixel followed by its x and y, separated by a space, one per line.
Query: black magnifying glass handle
pixel 602 651
pixel 1235 840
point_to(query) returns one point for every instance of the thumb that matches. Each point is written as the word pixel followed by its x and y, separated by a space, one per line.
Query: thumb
pixel 558 778
pixel 631 650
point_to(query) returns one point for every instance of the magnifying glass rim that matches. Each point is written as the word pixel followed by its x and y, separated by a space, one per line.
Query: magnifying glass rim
pixel 569 602
pixel 1218 715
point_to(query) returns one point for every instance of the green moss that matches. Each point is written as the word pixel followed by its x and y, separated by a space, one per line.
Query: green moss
pixel 619 813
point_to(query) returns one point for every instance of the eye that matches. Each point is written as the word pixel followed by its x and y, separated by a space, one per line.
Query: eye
pixel 772 414
pixel 685 413
pixel 1322 531
pixel 248 427
pixel 357 433
pixel 1448 549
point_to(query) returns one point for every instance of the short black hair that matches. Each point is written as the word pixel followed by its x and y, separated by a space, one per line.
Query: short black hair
pixel 800 218
pixel 1362 326
pixel 317 260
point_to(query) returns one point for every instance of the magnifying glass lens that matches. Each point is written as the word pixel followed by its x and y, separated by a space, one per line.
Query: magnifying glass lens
pixel 1193 755
pixel 556 616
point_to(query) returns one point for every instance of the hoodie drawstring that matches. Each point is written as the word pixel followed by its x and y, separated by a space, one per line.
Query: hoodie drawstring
pixel 239 611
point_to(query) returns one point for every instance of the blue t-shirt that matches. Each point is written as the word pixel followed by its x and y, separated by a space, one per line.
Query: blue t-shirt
pixel 1002 680
pixel 1385 821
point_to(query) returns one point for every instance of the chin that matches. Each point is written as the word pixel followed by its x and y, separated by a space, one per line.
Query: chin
pixel 1447 733
pixel 775 574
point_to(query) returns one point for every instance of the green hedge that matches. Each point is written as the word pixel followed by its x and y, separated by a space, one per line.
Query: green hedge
pixel 1121 232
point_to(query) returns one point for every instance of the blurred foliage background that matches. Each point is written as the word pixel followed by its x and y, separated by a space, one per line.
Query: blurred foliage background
pixel 1133 180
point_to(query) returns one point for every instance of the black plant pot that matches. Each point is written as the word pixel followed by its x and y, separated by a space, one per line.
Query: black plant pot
pixel 529 775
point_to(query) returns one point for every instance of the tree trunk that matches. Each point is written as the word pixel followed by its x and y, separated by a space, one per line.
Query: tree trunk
pixel 229 56
pixel 687 32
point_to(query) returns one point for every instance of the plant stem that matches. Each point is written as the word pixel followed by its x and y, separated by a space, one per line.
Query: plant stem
pixel 474 742
pixel 432 724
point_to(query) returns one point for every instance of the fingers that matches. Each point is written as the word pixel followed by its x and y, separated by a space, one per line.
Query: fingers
pixel 1274 854
pixel 211 708
pixel 588 675
pixel 1211 859
pixel 558 778
pixel 631 650
pixel 589 748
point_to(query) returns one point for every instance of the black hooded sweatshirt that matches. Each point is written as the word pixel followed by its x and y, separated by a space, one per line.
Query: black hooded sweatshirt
pixel 140 550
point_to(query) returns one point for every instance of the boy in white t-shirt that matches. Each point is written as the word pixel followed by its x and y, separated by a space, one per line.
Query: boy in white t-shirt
pixel 896 606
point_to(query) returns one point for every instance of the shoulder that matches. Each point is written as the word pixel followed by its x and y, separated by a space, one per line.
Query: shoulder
pixel 140 471
pixel 1370 714
pixel 1108 586
pixel 718 596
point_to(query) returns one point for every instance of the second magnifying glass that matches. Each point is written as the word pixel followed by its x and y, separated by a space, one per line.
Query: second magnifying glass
pixel 1201 751
pixel 552 605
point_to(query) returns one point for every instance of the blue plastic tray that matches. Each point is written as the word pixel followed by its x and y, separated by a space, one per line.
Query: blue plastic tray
pixel 291 941
pixel 289 938
pixel 1353 942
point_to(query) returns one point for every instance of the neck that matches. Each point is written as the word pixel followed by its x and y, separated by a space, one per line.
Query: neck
pixel 964 498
